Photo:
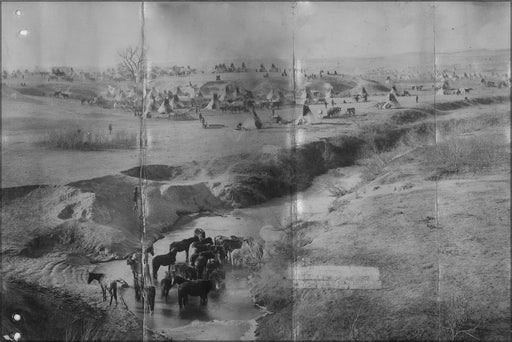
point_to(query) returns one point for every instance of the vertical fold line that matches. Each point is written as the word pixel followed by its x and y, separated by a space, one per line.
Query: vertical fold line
pixel 293 208
pixel 436 194
pixel 142 184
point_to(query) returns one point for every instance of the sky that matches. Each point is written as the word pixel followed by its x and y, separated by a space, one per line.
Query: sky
pixel 91 34
pixel 74 34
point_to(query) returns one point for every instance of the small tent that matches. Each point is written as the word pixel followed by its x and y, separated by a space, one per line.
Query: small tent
pixel 214 103
pixel 253 122
pixel 210 104
pixel 249 124
pixel 392 100
pixel 310 118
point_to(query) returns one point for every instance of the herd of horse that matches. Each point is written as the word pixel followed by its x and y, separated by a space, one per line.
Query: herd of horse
pixel 201 272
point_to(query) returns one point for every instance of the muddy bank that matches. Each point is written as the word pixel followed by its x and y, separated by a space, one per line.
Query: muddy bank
pixel 97 217
pixel 49 314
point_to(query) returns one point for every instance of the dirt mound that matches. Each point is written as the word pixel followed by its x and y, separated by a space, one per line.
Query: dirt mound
pixel 257 181
pixel 263 87
pixel 114 207
pixel 75 91
pixel 32 91
pixel 19 95
pixel 95 217
pixel 154 172
pixel 371 86
pixel 9 194
pixel 340 85
pixel 81 237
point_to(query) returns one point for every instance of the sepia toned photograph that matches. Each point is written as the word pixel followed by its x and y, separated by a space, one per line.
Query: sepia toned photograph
pixel 255 171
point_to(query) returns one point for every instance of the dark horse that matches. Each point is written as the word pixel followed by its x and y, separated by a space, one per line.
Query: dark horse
pixel 168 282
pixel 111 286
pixel 185 270
pixel 194 288
pixel 182 246
pixel 201 260
pixel 163 260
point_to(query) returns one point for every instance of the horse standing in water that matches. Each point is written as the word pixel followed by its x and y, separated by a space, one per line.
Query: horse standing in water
pixel 182 246
pixel 169 281
pixel 163 260
pixel 106 285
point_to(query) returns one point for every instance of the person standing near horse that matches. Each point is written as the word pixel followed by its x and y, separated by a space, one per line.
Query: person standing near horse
pixel 305 109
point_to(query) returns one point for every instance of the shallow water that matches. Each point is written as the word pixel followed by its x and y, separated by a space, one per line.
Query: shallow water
pixel 233 306
pixel 233 303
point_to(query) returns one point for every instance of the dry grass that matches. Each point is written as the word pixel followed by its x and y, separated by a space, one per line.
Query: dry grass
pixel 459 153
pixel 389 231
pixel 336 190
pixel 382 147
pixel 76 139
pixel 474 155
pixel 89 330
pixel 458 319
pixel 461 126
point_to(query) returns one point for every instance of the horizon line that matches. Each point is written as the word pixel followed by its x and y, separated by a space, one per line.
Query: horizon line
pixel 212 60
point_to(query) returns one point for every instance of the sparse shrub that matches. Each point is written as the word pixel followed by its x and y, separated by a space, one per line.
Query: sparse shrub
pixel 455 127
pixel 336 190
pixel 466 155
pixel 76 139
pixel 272 289
pixel 372 167
pixel 385 143
pixel 89 330
pixel 458 319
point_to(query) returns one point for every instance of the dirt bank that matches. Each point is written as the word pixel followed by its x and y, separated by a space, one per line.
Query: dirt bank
pixel 431 218
pixel 51 314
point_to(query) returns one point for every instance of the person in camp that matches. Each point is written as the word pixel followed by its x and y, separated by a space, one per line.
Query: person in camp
pixel 305 109
pixel 365 95
pixel 135 198
pixel 257 121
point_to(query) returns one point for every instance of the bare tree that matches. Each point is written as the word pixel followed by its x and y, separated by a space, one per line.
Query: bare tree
pixel 133 62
